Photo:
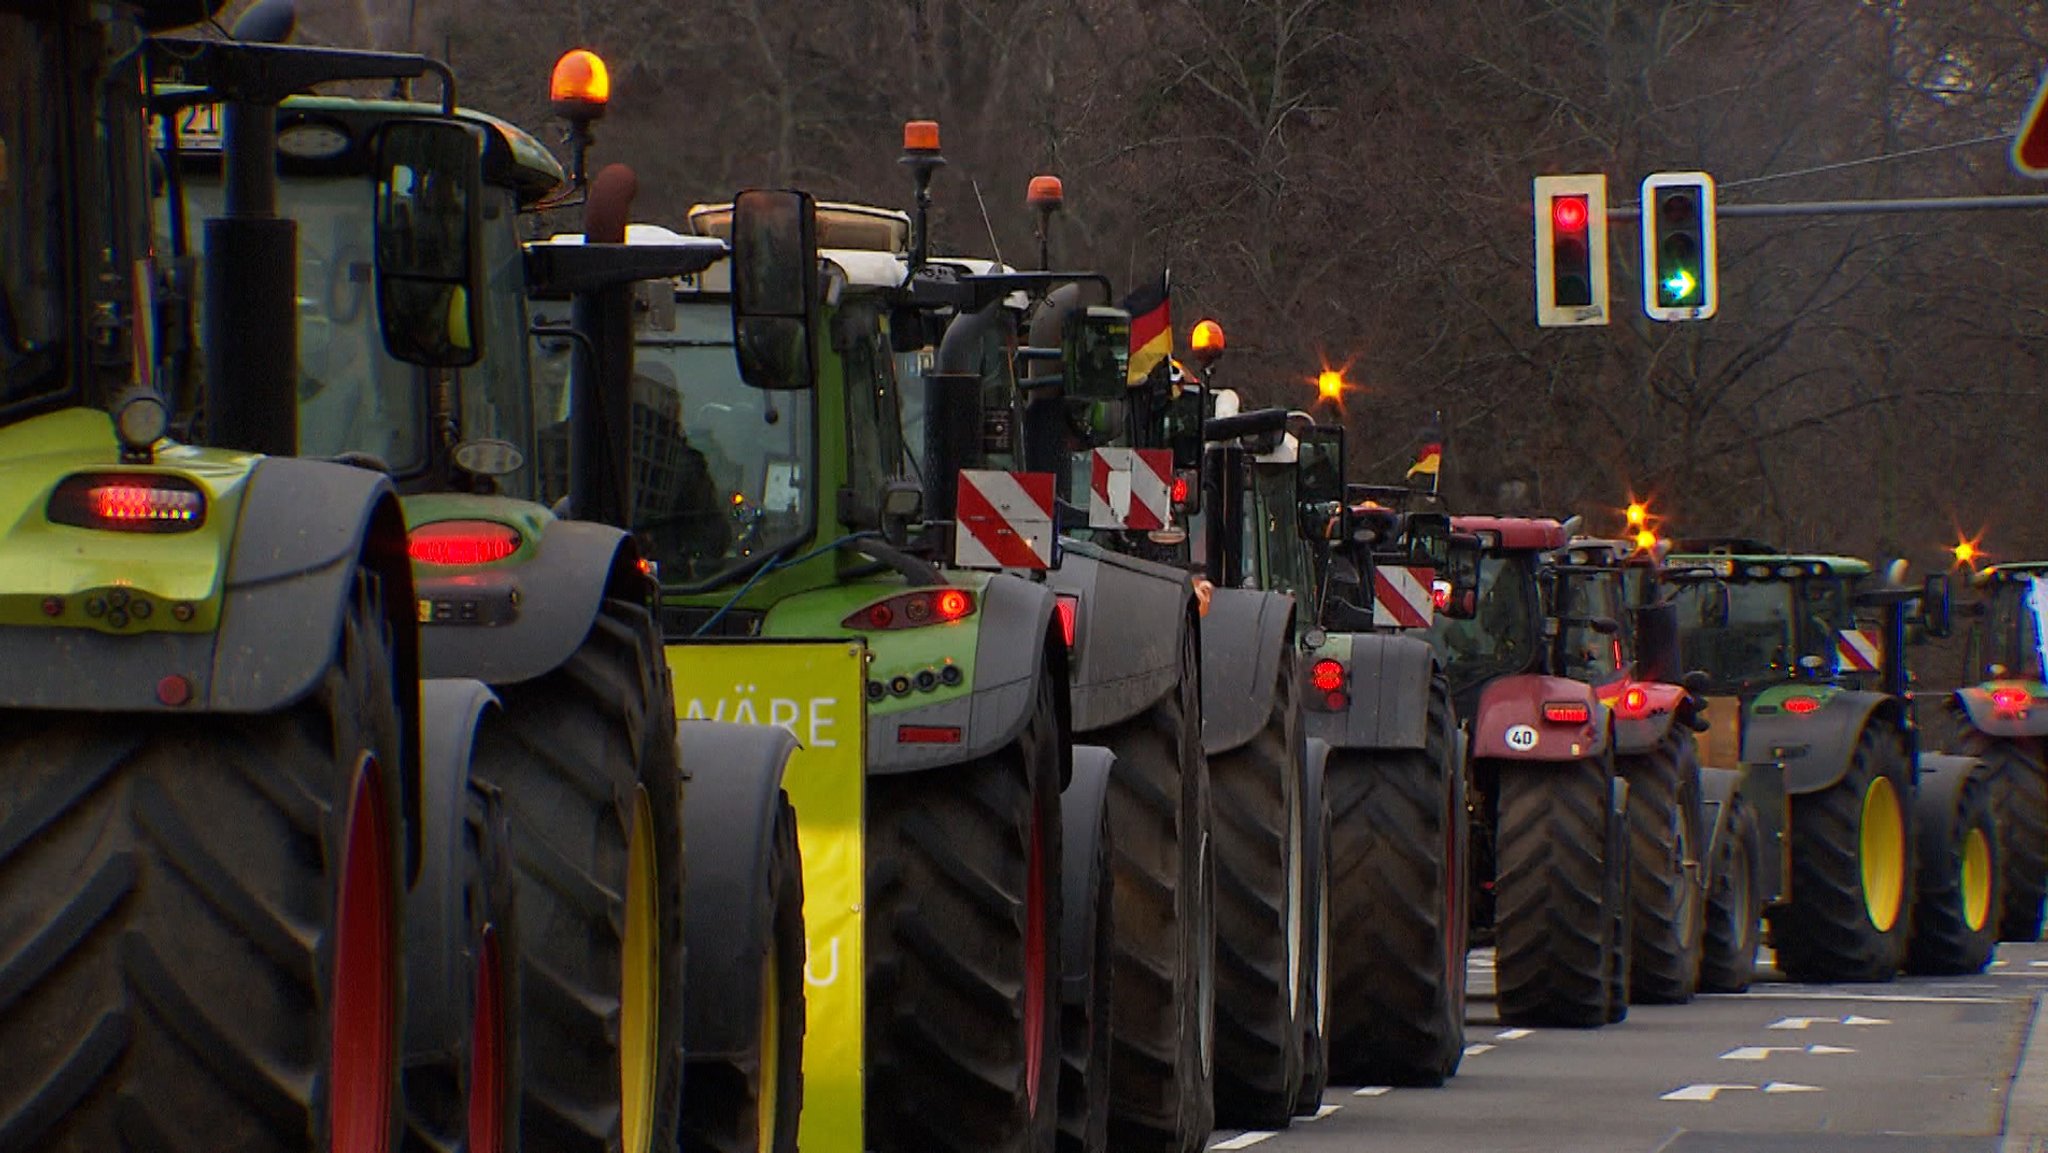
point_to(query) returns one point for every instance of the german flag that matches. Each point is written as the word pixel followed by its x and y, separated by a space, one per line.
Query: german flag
pixel 1429 459
pixel 1151 329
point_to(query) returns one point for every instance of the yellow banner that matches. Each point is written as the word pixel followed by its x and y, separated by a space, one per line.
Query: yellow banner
pixel 816 690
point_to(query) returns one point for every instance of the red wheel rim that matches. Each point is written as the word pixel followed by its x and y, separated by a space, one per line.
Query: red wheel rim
pixel 1034 967
pixel 364 1028
pixel 487 1054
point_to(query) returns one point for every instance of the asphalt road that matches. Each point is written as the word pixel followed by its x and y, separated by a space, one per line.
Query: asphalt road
pixel 1916 1066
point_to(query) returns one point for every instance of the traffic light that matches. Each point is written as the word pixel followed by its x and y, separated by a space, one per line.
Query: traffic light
pixel 1571 250
pixel 1680 280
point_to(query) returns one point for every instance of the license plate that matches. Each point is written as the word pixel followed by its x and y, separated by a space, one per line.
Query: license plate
pixel 199 128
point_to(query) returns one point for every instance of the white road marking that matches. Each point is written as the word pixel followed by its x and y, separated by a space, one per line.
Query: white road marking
pixel 1789 1087
pixel 1827 1050
pixel 1876 998
pixel 1700 1092
pixel 1513 1034
pixel 1322 1112
pixel 1852 1019
pixel 1806 1022
pixel 2037 964
pixel 2000 963
pixel 1757 1052
pixel 1476 1050
pixel 1243 1140
pixel 1371 1091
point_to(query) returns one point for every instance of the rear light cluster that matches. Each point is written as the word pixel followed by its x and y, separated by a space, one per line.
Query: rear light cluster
pixel 1634 702
pixel 128 502
pixel 1069 610
pixel 2011 700
pixel 913 610
pixel 462 542
pixel 1567 712
pixel 924 680
pixel 1801 705
pixel 1329 678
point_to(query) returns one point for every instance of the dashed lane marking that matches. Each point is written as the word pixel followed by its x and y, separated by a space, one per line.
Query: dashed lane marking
pixel 1476 1050
pixel 1805 1022
pixel 1512 1034
pixel 1873 998
pixel 1371 1091
pixel 1321 1112
pixel 1243 1140
pixel 1711 1091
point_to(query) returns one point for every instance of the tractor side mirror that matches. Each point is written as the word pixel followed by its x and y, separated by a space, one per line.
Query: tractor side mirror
pixel 1095 353
pixel 1714 609
pixel 1937 610
pixel 1429 540
pixel 1462 553
pixel 1319 484
pixel 428 251
pixel 775 287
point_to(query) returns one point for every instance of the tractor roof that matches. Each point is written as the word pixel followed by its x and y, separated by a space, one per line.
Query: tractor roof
pixel 2009 571
pixel 1772 565
pixel 1514 533
pixel 841 225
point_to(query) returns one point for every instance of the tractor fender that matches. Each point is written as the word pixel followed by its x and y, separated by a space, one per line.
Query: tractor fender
pixel 1718 789
pixel 1974 702
pixel 1084 824
pixel 1390 677
pixel 1127 631
pixel 1814 747
pixel 558 592
pixel 436 976
pixel 1243 636
pixel 1635 735
pixel 729 809
pixel 1508 722
pixel 1935 797
pixel 1012 644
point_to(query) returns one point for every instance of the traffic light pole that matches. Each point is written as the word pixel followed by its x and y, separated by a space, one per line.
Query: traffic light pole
pixel 1862 207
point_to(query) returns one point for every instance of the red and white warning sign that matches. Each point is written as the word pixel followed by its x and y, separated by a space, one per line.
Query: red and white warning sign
pixel 1401 597
pixel 1004 519
pixel 1130 488
pixel 1856 651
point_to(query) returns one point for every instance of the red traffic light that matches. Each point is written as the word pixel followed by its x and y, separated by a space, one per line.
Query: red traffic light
pixel 1568 214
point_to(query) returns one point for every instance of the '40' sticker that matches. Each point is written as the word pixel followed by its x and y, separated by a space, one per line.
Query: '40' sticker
pixel 1522 738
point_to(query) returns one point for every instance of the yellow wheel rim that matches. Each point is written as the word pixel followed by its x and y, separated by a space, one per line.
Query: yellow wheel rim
pixel 639 990
pixel 1976 880
pixel 1883 854
pixel 765 1102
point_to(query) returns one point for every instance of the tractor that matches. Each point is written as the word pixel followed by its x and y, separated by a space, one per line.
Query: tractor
pixel 1865 855
pixel 2002 722
pixel 553 613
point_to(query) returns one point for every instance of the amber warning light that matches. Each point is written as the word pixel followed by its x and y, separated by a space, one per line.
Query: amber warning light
pixel 922 136
pixel 581 84
pixel 1045 192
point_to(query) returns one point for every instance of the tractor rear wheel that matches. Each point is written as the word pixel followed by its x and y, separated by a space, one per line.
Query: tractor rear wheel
pixel 1669 914
pixel 1553 924
pixel 2019 797
pixel 1621 902
pixel 963 949
pixel 1734 917
pixel 1397 902
pixel 1261 931
pixel 186 899
pixel 1955 903
pixel 1852 870
pixel 585 757
pixel 1315 979
pixel 1085 1004
pixel 1162 1062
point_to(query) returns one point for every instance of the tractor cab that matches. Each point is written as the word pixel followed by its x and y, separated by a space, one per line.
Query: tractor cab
pixel 1507 630
pixel 2005 642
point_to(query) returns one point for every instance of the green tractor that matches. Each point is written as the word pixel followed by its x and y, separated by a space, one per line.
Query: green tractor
pixel 1865 854
pixel 2002 722
pixel 228 822
pixel 553 613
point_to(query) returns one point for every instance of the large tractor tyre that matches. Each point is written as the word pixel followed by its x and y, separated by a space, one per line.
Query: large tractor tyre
pixel 586 761
pixel 1955 901
pixel 1670 905
pixel 1734 915
pixel 462 1065
pixel 749 1099
pixel 2019 797
pixel 1315 981
pixel 1553 923
pixel 1085 1004
pixel 1621 904
pixel 1261 918
pixel 963 949
pixel 1398 862
pixel 1852 870
pixel 187 900
pixel 1161 1027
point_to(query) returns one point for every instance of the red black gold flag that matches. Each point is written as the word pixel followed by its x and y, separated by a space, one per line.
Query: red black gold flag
pixel 1429 459
pixel 1151 328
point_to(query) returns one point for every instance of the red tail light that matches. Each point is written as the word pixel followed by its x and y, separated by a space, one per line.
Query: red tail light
pixel 1635 702
pixel 1327 676
pixel 927 734
pixel 462 542
pixel 1567 712
pixel 1069 609
pixel 912 610
pixel 1801 705
pixel 128 502
pixel 1440 594
pixel 2010 700
pixel 1180 490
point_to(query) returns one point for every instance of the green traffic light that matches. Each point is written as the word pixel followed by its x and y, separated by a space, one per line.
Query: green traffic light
pixel 1680 285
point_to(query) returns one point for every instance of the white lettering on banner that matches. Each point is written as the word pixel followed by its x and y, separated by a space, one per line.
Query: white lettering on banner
pixel 831 974
pixel 809 720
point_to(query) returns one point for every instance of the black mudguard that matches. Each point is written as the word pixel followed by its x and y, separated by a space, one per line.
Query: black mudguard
pixel 1084 823
pixel 1390 681
pixel 734 791
pixel 1762 789
pixel 557 593
pixel 1015 641
pixel 1243 636
pixel 1634 736
pixel 1935 797
pixel 1814 748
pixel 435 922
pixel 1975 704
pixel 1127 632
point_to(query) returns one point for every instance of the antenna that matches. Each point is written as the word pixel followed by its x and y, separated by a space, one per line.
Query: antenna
pixel 985 221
